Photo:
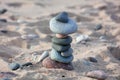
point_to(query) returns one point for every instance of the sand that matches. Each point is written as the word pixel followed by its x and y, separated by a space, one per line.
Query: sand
pixel 32 17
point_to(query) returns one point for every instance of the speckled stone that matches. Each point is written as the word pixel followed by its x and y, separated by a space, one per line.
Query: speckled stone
pixel 55 55
pixel 49 63
pixel 62 41
pixel 60 48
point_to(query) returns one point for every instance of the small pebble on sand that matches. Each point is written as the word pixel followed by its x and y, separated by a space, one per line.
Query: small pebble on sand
pixel 97 74
pixel 14 66
pixel 81 38
pixel 98 27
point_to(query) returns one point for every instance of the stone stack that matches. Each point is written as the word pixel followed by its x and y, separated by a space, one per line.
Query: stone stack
pixel 61 53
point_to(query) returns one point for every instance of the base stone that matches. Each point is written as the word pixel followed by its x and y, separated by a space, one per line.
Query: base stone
pixel 49 63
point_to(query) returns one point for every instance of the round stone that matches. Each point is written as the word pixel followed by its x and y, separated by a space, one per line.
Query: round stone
pixel 98 27
pixel 97 74
pixel 49 63
pixel 92 59
pixel 63 28
pixel 54 55
pixel 62 17
pixel 60 36
pixel 60 48
pixel 14 66
pixel 67 53
pixel 62 41
pixel 2 11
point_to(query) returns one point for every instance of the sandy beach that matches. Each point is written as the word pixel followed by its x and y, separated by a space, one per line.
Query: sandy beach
pixel 25 35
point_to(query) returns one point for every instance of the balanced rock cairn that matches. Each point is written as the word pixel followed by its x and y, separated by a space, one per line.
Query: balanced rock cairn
pixel 61 53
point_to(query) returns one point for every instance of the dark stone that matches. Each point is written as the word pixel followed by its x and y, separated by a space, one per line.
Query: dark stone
pixel 92 59
pixel 115 18
pixel 27 64
pixel 3 20
pixel 2 11
pixel 49 63
pixel 14 66
pixel 62 41
pixel 62 17
pixel 60 48
pixel 3 31
pixel 98 27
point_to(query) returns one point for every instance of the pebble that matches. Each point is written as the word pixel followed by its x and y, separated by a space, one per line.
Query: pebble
pixel 60 36
pixel 21 21
pixel 3 31
pixel 49 63
pixel 43 56
pixel 67 53
pixel 29 36
pixel 63 41
pixel 14 66
pixel 98 27
pixel 3 20
pixel 62 17
pixel 60 48
pixel 2 11
pixel 115 18
pixel 54 55
pixel 26 64
pixel 103 38
pixel 63 27
pixel 81 38
pixel 92 59
pixel 97 74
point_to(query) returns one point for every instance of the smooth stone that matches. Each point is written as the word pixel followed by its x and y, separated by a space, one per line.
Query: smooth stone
pixel 14 66
pixel 60 36
pixel 98 27
pixel 97 74
pixel 62 17
pixel 103 38
pixel 81 38
pixel 60 48
pixel 27 64
pixel 92 59
pixel 43 56
pixel 67 53
pixel 3 31
pixel 54 55
pixel 3 20
pixel 62 41
pixel 49 63
pixel 2 11
pixel 63 28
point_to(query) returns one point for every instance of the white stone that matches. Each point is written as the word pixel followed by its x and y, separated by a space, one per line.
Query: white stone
pixel 82 38
pixel 43 56
pixel 29 36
